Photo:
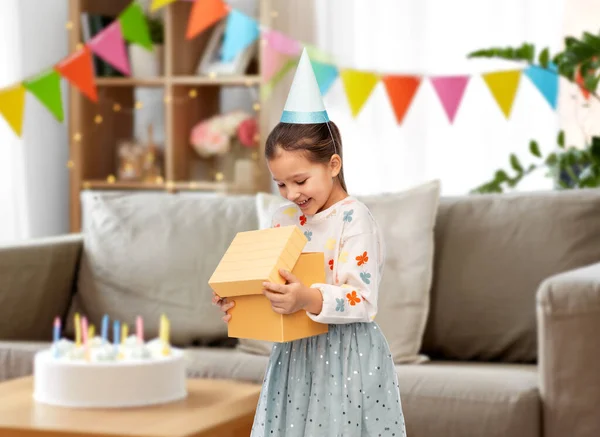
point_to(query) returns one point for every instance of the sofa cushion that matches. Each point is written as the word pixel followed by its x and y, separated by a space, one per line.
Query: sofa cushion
pixel 222 363
pixel 153 253
pixel 406 220
pixel 465 400
pixel 16 358
pixel 492 253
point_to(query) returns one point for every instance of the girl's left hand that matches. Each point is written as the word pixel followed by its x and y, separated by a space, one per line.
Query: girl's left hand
pixel 287 298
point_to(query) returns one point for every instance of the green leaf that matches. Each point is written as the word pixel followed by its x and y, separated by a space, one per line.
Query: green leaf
pixel 591 40
pixel 515 164
pixel 534 148
pixel 560 139
pixel 544 57
pixel 551 160
pixel 595 150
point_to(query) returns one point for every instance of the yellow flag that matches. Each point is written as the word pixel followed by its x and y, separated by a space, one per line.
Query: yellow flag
pixel 12 105
pixel 157 4
pixel 359 86
pixel 503 85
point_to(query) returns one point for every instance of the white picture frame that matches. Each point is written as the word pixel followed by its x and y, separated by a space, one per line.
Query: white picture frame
pixel 211 62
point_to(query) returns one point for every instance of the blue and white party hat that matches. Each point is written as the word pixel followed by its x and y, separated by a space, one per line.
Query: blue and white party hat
pixel 304 102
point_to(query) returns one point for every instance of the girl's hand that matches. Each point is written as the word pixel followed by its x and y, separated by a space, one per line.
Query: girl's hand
pixel 224 305
pixel 293 296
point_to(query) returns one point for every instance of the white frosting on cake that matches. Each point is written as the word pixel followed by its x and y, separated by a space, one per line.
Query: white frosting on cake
pixel 103 375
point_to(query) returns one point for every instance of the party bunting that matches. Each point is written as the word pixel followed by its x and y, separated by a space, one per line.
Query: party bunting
pixel 240 31
pixel 78 69
pixel 109 45
pixel 267 88
pixel 12 105
pixel 134 26
pixel 204 14
pixel 358 86
pixel 401 90
pixel 503 86
pixel 157 4
pixel 326 74
pixel 546 81
pixel 46 88
pixel 316 54
pixel 282 43
pixel 273 61
pixel 450 90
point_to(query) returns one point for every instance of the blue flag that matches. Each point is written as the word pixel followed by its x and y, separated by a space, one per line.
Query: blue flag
pixel 240 32
pixel 326 74
pixel 546 81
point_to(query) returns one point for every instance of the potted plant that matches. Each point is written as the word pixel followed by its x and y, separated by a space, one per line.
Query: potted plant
pixel 570 166
pixel 145 63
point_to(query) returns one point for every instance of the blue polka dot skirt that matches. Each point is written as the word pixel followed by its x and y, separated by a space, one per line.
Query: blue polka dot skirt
pixel 342 383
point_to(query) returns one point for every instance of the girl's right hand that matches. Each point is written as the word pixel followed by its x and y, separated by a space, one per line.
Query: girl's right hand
pixel 224 305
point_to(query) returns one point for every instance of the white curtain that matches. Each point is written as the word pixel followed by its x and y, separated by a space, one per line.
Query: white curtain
pixel 432 37
pixel 34 186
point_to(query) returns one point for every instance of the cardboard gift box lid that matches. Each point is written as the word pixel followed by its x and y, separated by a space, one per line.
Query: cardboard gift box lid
pixel 254 257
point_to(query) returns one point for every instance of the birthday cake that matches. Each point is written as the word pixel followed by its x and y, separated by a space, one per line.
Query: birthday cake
pixel 94 372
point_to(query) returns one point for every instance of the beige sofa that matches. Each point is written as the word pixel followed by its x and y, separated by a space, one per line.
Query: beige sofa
pixel 510 347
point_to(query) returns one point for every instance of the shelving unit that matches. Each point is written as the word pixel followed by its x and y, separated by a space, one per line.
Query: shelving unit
pixel 96 129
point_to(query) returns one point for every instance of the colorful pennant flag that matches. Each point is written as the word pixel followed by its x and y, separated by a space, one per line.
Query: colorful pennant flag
pixel 546 81
pixel 503 86
pixel 267 88
pixel 110 46
pixel 316 54
pixel 401 90
pixel 79 70
pixel 326 74
pixel 282 43
pixel 12 105
pixel 359 86
pixel 240 31
pixel 46 88
pixel 204 14
pixel 134 26
pixel 157 4
pixel 273 61
pixel 450 90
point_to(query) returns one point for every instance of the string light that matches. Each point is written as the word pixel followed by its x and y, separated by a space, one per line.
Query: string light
pixel 159 180
pixel 70 164
pixel 212 74
pixel 167 99
pixel 255 156
pixel 193 185
pixel 69 25
pixel 98 119
pixel 86 185
pixel 79 46
pixel 110 179
pixel 116 107
pixel 139 105
pixel 193 93
pixel 77 137
pixel 256 106
pixel 170 185
pixel 219 176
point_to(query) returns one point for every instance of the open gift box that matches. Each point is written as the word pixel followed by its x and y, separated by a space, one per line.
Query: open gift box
pixel 254 257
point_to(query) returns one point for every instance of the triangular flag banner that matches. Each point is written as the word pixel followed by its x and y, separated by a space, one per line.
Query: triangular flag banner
pixel 579 81
pixel 134 26
pixel 316 54
pixel 273 61
pixel 326 74
pixel 109 45
pixel 503 85
pixel 450 90
pixel 157 4
pixel 282 43
pixel 358 85
pixel 204 14
pixel 12 106
pixel 46 88
pixel 546 81
pixel 78 69
pixel 240 31
pixel 401 90
pixel 267 89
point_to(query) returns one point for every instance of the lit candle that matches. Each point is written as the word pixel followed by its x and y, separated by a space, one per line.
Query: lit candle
pixel 164 324
pixel 91 331
pixel 104 328
pixel 124 332
pixel 116 335
pixel 77 330
pixel 56 333
pixel 84 335
pixel 139 325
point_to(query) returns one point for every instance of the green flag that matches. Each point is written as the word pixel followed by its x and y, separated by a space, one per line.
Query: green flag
pixel 134 26
pixel 46 87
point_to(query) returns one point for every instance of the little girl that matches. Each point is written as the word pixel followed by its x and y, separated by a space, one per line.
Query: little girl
pixel 342 383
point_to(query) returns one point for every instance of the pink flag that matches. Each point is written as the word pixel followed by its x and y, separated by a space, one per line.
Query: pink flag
pixel 450 90
pixel 273 61
pixel 282 43
pixel 109 45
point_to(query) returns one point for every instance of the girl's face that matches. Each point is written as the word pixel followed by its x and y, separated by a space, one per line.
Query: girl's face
pixel 312 186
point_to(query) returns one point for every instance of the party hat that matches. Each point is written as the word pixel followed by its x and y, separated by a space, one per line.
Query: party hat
pixel 304 103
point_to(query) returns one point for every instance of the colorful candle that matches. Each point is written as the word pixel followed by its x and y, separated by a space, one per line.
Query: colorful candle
pixel 84 335
pixel 104 328
pixel 91 331
pixel 77 330
pixel 116 335
pixel 139 326
pixel 124 332
pixel 164 334
pixel 56 333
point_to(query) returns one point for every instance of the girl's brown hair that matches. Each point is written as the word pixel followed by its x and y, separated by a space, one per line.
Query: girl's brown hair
pixel 319 141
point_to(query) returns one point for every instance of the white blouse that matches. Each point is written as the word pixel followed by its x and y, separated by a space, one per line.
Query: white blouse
pixel 348 235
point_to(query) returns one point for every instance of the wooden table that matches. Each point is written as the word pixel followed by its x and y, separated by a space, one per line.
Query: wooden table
pixel 212 408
